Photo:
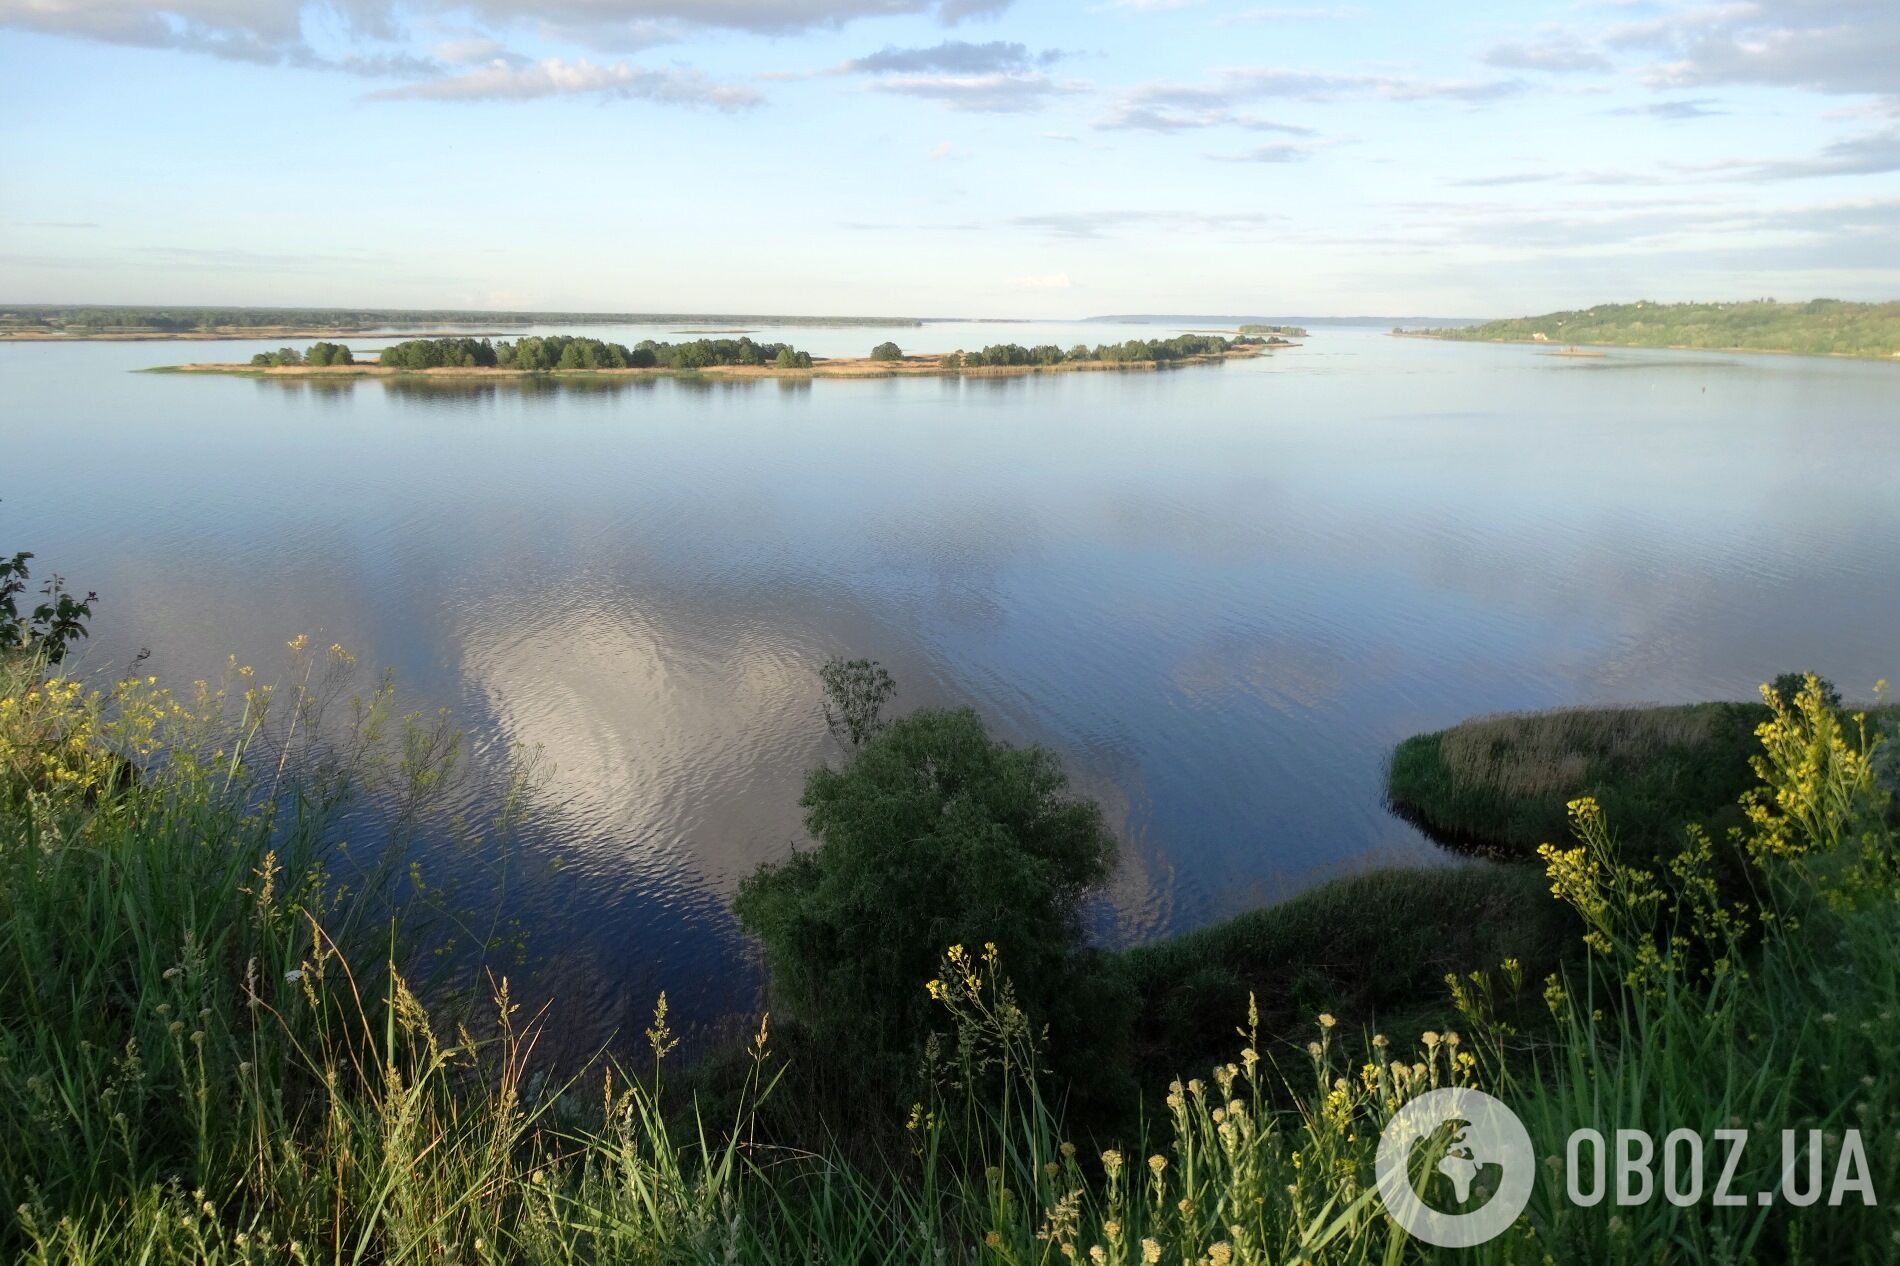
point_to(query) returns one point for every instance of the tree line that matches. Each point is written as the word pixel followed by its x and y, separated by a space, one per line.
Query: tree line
pixel 547 353
pixel 319 356
pixel 1134 351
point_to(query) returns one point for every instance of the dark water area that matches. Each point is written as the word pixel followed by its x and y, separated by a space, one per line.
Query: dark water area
pixel 1220 593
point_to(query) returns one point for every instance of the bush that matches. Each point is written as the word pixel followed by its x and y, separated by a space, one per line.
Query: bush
pixel 1788 687
pixel 887 351
pixel 47 629
pixel 1372 949
pixel 932 834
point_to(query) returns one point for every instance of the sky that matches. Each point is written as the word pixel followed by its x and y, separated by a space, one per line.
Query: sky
pixel 1006 158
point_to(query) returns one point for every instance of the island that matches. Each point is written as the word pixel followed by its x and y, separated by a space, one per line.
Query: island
pixel 566 354
pixel 1820 327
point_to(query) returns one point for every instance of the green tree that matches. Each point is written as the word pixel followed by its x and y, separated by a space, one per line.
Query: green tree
pixel 887 351
pixel 322 354
pixel 1788 687
pixel 856 691
pixel 933 834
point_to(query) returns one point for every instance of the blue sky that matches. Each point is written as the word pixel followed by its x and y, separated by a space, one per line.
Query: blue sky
pixel 948 157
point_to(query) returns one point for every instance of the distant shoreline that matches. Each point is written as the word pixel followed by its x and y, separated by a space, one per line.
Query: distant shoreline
pixel 918 366
pixel 250 334
pixel 1437 337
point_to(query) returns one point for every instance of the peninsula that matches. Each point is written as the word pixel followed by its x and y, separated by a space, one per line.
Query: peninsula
pixel 1821 327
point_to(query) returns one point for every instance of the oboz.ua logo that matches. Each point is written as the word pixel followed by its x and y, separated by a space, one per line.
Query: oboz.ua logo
pixel 1455 1168
pixel 1476 1145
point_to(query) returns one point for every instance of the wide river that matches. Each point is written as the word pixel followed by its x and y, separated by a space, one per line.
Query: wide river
pixel 1220 593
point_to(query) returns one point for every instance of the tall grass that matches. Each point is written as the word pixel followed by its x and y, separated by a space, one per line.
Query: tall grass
pixel 1500 783
pixel 212 1048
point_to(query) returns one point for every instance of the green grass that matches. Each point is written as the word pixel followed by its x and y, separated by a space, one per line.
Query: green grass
pixel 1822 327
pixel 212 1048
pixel 1499 784
pixel 1372 949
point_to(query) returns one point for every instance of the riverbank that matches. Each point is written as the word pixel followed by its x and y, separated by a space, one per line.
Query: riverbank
pixel 1497 786
pixel 1439 337
pixel 915 366
pixel 194 990
pixel 1822 327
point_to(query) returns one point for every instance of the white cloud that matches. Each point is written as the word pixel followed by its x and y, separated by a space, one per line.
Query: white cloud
pixel 503 80
pixel 1277 152
pixel 1559 54
pixel 1834 46
pixel 992 93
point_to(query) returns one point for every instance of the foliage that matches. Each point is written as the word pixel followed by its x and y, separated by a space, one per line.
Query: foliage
pixel 1819 327
pixel 887 351
pixel 322 354
pixel 569 352
pixel 1291 331
pixel 856 691
pixel 932 833
pixel 51 626
pixel 210 1053
pixel 439 353
pixel 1371 949
pixel 1787 688
pixel 1134 351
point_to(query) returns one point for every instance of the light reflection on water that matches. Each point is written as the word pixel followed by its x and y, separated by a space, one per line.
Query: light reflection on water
pixel 1220 593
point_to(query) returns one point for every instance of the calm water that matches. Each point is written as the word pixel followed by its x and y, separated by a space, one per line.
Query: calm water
pixel 1221 593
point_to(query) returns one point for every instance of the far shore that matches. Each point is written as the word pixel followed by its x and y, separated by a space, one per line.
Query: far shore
pixel 249 334
pixel 1641 347
pixel 920 366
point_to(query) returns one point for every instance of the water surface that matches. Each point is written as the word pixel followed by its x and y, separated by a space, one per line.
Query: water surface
pixel 1221 593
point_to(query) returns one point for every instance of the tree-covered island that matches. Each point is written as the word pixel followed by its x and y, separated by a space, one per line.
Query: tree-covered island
pixel 577 354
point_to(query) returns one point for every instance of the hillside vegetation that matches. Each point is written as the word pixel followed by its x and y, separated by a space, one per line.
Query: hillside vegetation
pixel 1821 327
pixel 1498 785
pixel 225 1036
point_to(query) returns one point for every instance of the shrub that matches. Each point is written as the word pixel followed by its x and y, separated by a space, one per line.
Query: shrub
pixel 932 834
pixel 1788 687
pixel 887 351
pixel 49 628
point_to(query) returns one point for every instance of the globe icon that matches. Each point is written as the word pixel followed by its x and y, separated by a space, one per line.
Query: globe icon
pixel 1473 1135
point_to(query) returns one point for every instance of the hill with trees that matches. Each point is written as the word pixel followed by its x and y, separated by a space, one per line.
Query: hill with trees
pixel 1820 327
